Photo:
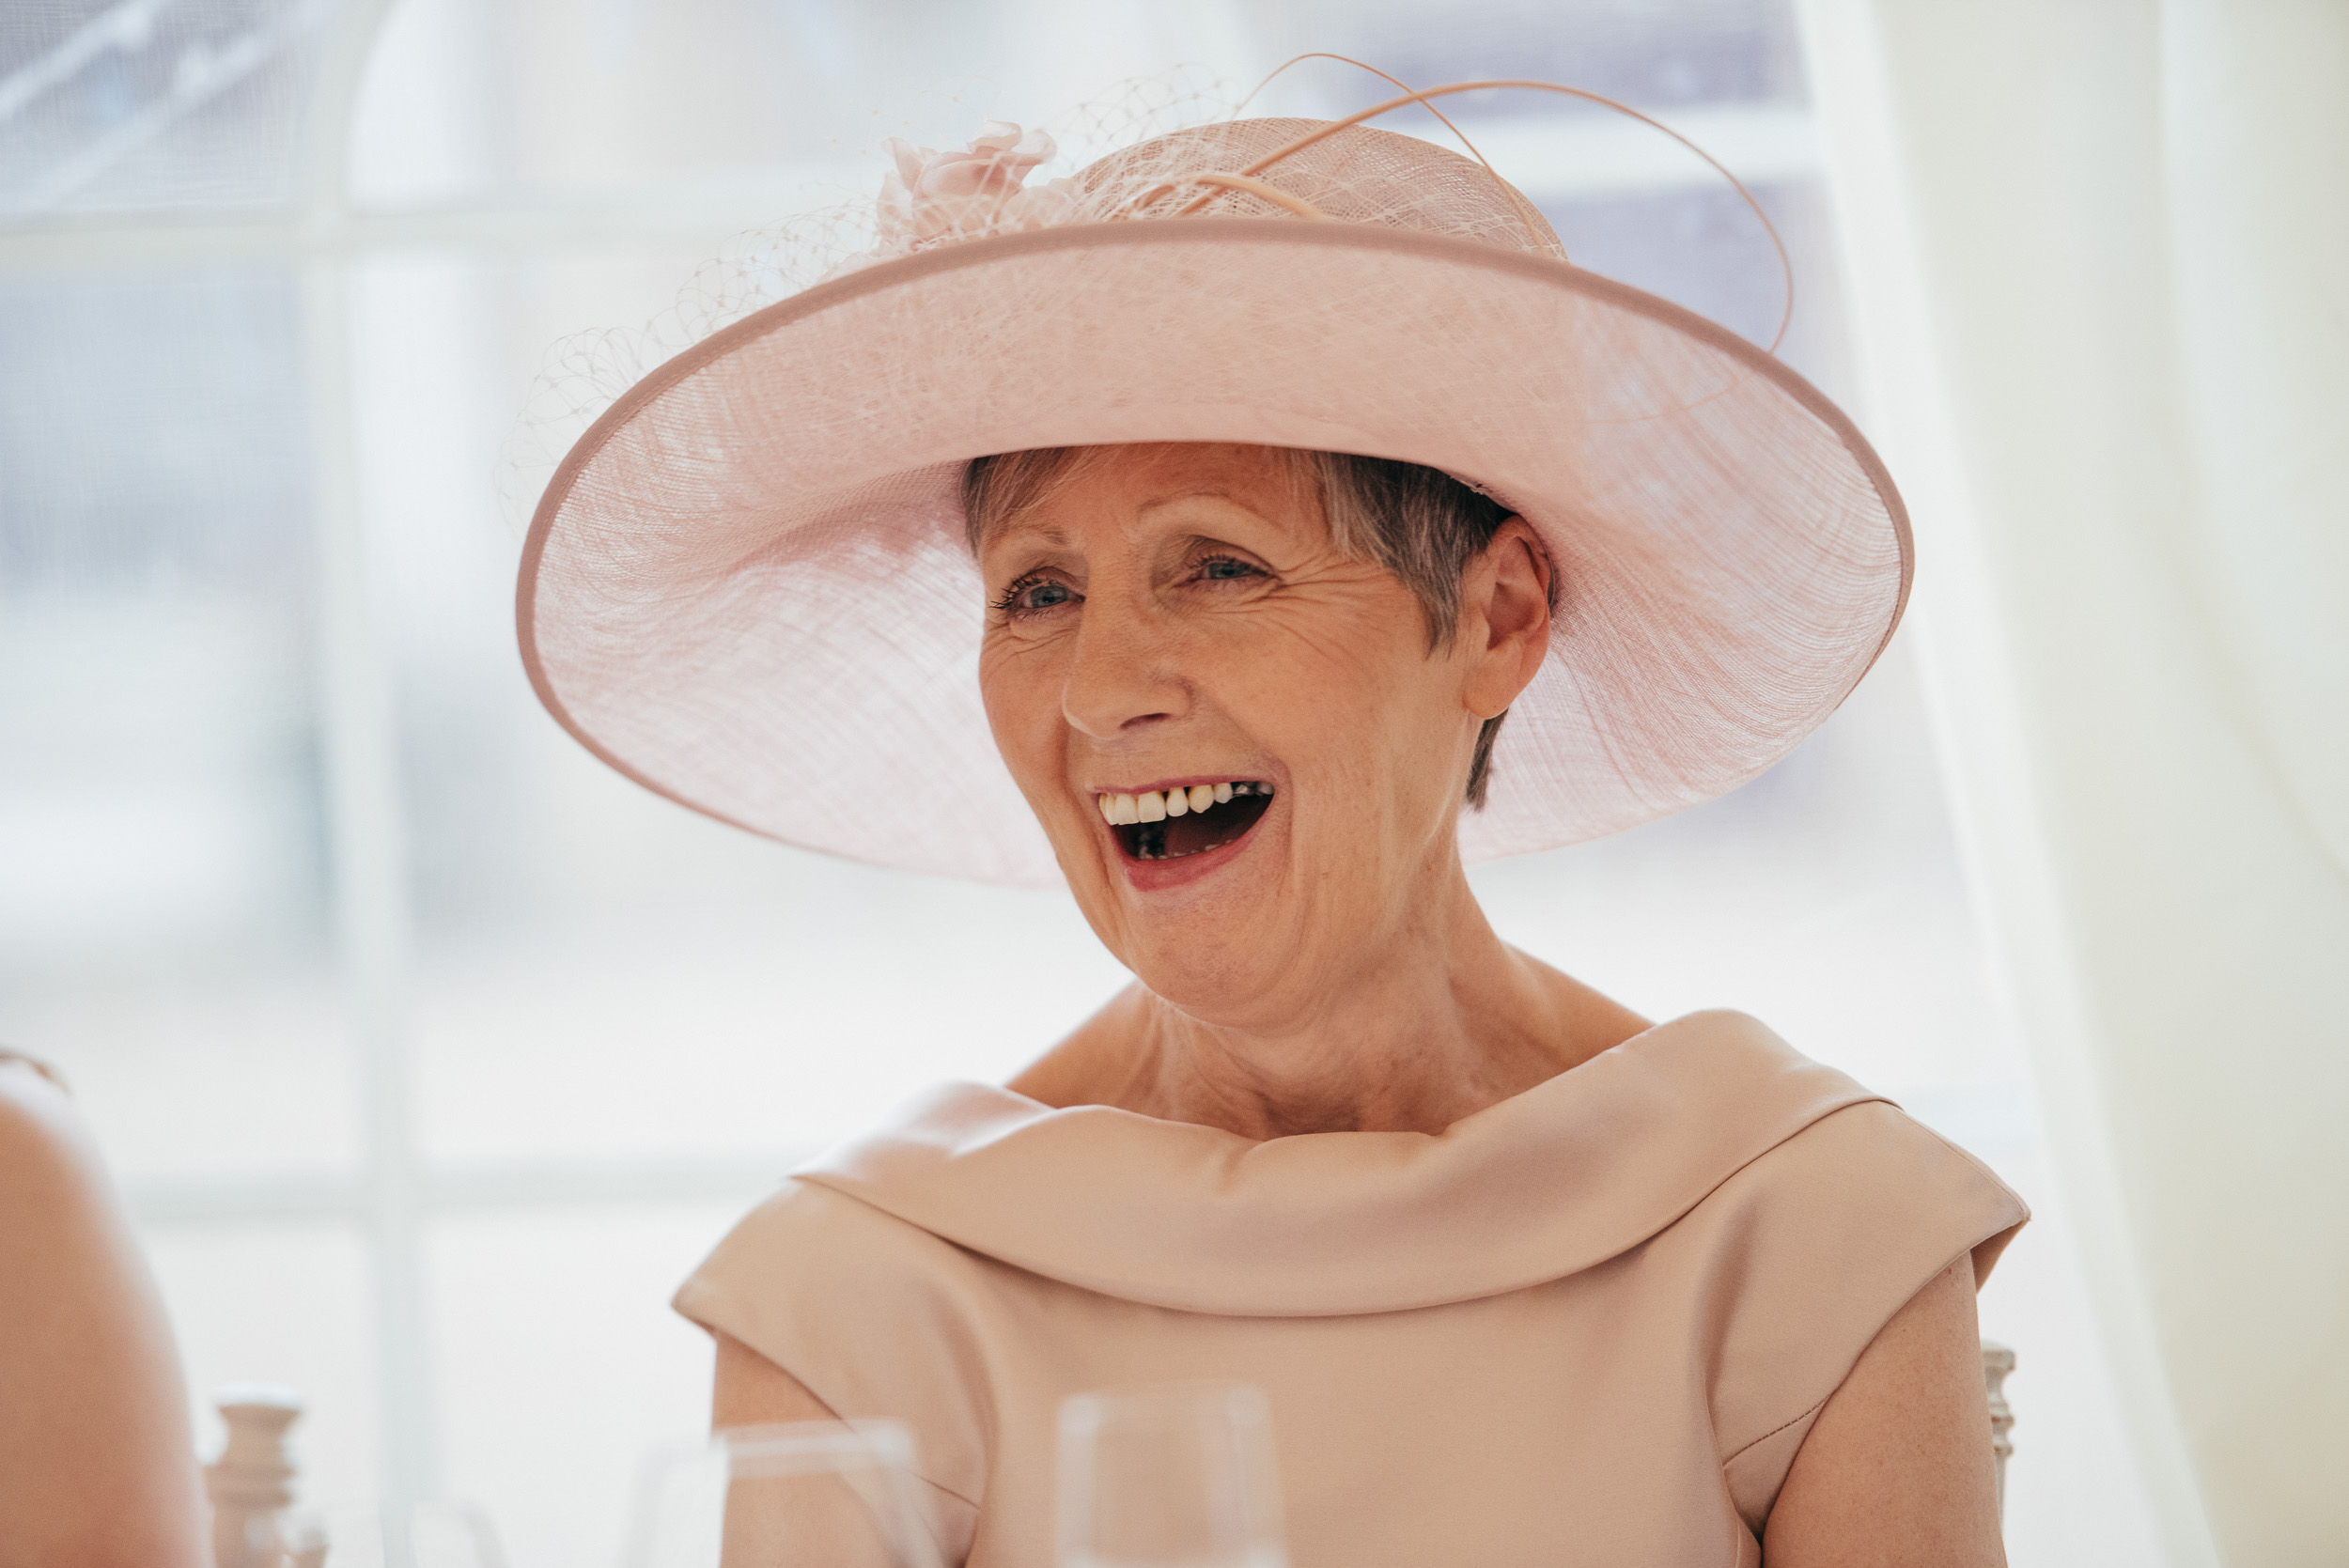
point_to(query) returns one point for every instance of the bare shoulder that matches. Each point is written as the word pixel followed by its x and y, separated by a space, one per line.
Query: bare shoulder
pixel 49 1174
pixel 63 1227
pixel 30 1099
pixel 97 1465
pixel 1582 1020
pixel 1897 1468
pixel 1096 1063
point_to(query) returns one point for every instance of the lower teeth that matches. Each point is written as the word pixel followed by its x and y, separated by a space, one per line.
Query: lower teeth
pixel 1148 841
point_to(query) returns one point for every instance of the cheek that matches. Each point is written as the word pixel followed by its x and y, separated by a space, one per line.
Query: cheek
pixel 1345 697
pixel 1021 689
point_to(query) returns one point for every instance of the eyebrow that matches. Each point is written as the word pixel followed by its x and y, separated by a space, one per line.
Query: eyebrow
pixel 1029 527
pixel 1204 491
pixel 1026 523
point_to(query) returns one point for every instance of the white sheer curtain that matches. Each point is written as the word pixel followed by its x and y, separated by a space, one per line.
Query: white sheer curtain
pixel 2097 248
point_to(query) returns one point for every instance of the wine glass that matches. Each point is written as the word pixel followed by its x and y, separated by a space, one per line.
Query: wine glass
pixel 361 1534
pixel 798 1494
pixel 451 1535
pixel 1173 1475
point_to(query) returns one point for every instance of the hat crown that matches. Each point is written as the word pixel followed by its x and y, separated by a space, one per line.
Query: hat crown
pixel 1353 174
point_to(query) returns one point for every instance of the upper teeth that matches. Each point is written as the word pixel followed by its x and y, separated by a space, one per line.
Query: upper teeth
pixel 1156 805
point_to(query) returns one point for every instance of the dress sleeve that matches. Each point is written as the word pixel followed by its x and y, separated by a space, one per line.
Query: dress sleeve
pixel 1818 1243
pixel 870 1315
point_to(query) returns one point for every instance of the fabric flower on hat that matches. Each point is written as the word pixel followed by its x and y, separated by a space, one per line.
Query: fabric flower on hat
pixel 966 193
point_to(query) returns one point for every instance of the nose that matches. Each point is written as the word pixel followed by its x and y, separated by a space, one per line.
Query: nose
pixel 1123 675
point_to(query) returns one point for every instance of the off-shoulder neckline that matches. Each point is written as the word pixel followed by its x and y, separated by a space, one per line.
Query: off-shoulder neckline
pixel 1573 1170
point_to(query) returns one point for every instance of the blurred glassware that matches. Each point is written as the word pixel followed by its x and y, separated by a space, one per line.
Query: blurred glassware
pixel 451 1535
pixel 364 1534
pixel 796 1494
pixel 1174 1475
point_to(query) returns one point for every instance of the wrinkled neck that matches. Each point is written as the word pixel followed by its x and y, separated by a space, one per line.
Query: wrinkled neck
pixel 1431 1023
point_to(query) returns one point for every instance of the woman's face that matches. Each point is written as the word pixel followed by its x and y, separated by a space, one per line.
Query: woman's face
pixel 1172 641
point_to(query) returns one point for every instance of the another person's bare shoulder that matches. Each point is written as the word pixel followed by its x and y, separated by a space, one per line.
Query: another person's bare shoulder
pixel 97 1466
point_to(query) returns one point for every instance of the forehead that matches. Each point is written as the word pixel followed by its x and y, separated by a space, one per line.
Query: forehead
pixel 1079 489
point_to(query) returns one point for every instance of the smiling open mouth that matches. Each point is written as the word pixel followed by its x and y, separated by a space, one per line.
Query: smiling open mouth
pixel 1167 825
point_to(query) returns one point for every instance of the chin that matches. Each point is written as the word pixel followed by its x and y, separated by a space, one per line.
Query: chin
pixel 1200 941
pixel 1213 985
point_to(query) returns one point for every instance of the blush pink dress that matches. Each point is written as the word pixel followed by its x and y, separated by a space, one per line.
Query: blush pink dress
pixel 1588 1325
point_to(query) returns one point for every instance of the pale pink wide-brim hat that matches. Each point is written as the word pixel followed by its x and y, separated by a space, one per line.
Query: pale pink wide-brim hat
pixel 747 586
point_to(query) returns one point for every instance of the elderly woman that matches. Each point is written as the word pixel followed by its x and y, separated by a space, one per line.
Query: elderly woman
pixel 1264 470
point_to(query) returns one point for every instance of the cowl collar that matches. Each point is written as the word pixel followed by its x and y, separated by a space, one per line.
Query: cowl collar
pixel 1568 1173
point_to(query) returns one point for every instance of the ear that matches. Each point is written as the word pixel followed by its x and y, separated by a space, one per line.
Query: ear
pixel 1505 617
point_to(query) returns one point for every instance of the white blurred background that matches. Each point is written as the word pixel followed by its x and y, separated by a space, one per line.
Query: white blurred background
pixel 431 1054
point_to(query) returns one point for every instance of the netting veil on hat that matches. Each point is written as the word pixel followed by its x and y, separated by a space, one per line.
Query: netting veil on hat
pixel 746 585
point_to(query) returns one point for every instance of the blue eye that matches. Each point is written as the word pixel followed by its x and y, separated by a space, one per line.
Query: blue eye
pixel 1225 568
pixel 1033 593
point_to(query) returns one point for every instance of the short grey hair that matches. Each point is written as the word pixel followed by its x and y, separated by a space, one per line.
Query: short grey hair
pixel 1420 523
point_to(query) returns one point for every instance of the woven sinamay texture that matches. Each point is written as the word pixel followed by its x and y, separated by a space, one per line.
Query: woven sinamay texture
pixel 747 586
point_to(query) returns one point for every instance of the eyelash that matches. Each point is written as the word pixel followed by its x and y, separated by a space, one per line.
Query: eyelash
pixel 1247 569
pixel 1008 604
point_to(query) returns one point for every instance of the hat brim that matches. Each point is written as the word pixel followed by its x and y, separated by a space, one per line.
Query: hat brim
pixel 747 588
